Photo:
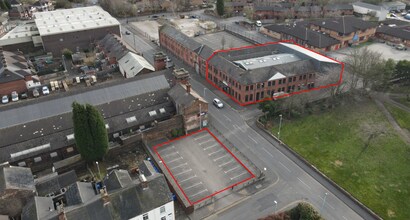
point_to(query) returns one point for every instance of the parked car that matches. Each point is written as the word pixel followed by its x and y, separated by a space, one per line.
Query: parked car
pixel 154 17
pixel 218 103
pixel 258 23
pixel 168 59
pixel 5 99
pixel 14 96
pixel 36 93
pixel 23 95
pixel 393 15
pixel 45 90
pixel 127 32
pixel 390 43
pixel 401 47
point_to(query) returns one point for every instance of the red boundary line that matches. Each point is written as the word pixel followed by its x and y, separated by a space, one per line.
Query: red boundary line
pixel 277 97
pixel 179 186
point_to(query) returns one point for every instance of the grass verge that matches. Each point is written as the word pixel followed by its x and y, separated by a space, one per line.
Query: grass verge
pixel 357 148
pixel 401 116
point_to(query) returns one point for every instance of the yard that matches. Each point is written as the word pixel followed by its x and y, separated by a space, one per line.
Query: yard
pixel 355 145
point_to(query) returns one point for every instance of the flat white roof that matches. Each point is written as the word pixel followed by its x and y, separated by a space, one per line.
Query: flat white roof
pixel 307 52
pixel 265 61
pixel 20 34
pixel 74 19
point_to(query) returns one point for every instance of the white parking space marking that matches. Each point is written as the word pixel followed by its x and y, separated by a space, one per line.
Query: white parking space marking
pixel 186 171
pixel 232 169
pixel 221 157
pixel 179 158
pixel 170 154
pixel 205 142
pixel 189 178
pixel 182 164
pixel 202 191
pixel 197 138
pixel 172 147
pixel 238 175
pixel 304 183
pixel 191 186
pixel 327 203
pixel 285 167
pixel 226 163
pixel 267 151
pixel 227 118
pixel 210 154
pixel 206 148
pixel 252 139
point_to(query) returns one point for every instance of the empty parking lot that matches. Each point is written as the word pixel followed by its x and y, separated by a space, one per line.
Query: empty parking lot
pixel 201 165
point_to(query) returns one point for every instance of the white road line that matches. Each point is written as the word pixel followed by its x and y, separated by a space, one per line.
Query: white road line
pixel 191 177
pixel 210 154
pixel 232 169
pixel 221 157
pixel 238 175
pixel 191 186
pixel 176 152
pixel 206 148
pixel 200 137
pixel 168 148
pixel 186 171
pixel 175 160
pixel 304 183
pixel 202 191
pixel 182 164
pixel 267 151
pixel 205 142
pixel 227 118
pixel 230 161
pixel 285 167
pixel 252 139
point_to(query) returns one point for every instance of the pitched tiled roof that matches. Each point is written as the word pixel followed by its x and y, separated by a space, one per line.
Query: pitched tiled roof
pixel 336 7
pixel 345 25
pixel 400 32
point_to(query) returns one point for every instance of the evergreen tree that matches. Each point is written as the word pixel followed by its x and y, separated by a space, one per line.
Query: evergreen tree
pixel 220 7
pixel 3 5
pixel 90 133
pixel 7 3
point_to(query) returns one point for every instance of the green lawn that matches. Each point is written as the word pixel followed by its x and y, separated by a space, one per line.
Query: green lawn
pixel 402 117
pixel 403 101
pixel 334 142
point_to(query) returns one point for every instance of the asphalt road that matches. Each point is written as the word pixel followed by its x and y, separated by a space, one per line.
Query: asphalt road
pixel 296 182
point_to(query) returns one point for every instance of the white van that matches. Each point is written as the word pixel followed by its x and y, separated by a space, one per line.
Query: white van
pixel 258 23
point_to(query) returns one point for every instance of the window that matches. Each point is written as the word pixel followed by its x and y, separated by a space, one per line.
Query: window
pixel 246 98
pixel 290 79
pixel 284 81
pixel 269 83
pixel 262 94
pixel 145 216
pixel 300 77
pixel 162 209
pixel 246 88
pixel 280 81
pixel 251 87
pixel 294 78
pixel 257 86
pixel 310 76
pixel 251 97
pixel 304 76
pixel 273 83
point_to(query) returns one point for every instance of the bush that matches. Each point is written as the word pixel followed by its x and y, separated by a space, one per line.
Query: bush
pixel 67 53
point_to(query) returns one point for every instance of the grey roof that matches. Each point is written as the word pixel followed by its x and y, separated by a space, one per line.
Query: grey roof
pixel 395 21
pixel 178 36
pixel 369 6
pixel 399 32
pixel 313 38
pixel 79 192
pixel 344 25
pixel 16 67
pixel 55 183
pixel 112 44
pixel 337 7
pixel 180 96
pixel 204 52
pixel 146 168
pixel 39 208
pixel 273 7
pixel 19 178
pixel 117 179
pixel 59 105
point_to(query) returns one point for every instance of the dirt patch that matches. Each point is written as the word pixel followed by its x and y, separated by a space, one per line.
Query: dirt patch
pixel 338 163
pixel 148 28
pixel 391 213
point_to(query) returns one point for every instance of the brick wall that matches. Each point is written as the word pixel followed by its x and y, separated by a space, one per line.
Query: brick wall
pixel 18 85
pixel 164 128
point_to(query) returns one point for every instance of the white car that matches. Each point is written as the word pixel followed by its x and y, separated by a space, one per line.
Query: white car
pixel 14 96
pixel 258 23
pixel 5 99
pixel 168 59
pixel 218 103
pixel 45 90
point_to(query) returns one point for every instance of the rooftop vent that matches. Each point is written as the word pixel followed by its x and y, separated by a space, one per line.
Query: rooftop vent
pixel 152 113
pixel 162 110
pixel 70 137
pixel 131 119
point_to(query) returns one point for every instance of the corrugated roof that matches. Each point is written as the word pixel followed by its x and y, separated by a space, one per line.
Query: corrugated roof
pixel 132 64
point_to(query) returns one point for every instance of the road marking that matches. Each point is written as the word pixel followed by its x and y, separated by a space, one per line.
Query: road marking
pixel 173 153
pixel 304 183
pixel 191 177
pixel 230 161
pixel 168 148
pixel 227 118
pixel 186 171
pixel 285 167
pixel 267 152
pixel 200 137
pixel 202 191
pixel 205 142
pixel 175 160
pixel 221 157
pixel 252 139
pixel 182 164
pixel 327 203
pixel 206 148
pixel 191 186
pixel 237 127
pixel 210 154
pixel 238 175
pixel 237 166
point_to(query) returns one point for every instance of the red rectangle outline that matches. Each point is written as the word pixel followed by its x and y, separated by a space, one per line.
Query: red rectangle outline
pixel 173 177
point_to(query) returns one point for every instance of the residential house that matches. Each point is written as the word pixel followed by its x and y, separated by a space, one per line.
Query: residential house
pixel 272 11
pixel 18 10
pixel 395 34
pixel 348 30
pixel 337 10
pixel 14 73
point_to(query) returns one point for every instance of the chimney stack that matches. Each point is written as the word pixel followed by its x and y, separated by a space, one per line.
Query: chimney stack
pixel 188 88
pixel 144 182
pixel 160 61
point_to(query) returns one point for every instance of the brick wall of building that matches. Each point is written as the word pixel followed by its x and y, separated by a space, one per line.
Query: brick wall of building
pixel 81 39
pixel 346 39
pixel 188 56
pixel 18 85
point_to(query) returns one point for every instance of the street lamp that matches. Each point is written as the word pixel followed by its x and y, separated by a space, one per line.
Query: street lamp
pixel 276 206
pixel 98 168
pixel 280 125
pixel 323 204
